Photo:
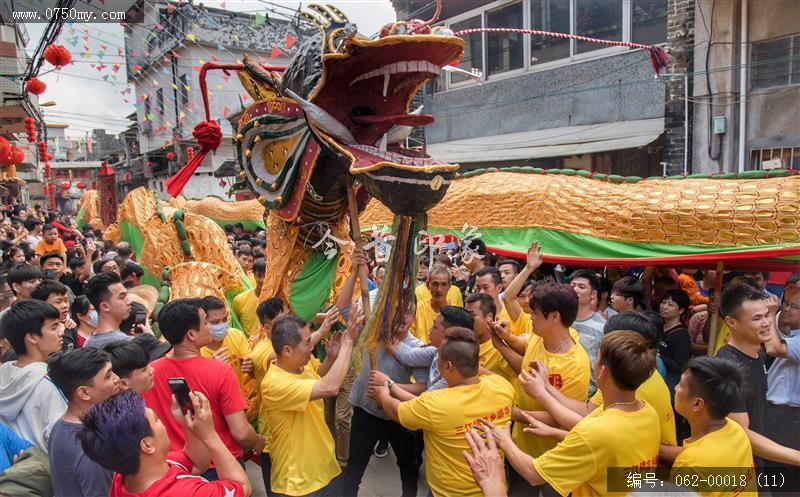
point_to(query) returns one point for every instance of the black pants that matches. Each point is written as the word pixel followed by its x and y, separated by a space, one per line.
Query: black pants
pixel 266 467
pixel 365 431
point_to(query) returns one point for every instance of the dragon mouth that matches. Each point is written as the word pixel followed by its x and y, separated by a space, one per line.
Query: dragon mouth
pixel 365 98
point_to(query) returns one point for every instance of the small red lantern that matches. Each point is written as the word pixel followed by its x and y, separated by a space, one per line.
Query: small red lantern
pixel 14 155
pixel 4 146
pixel 222 183
pixel 127 178
pixel 35 86
pixel 57 55
pixel 19 155
pixel 65 185
pixel 81 185
pixel 170 155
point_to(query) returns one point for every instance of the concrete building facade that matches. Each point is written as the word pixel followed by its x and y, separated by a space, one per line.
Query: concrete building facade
pixel 163 57
pixel 746 104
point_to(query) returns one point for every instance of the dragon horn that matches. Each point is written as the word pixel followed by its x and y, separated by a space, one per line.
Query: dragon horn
pixel 312 19
pixel 341 15
pixel 321 11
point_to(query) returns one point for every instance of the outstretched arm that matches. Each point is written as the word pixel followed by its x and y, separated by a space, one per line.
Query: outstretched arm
pixel 532 262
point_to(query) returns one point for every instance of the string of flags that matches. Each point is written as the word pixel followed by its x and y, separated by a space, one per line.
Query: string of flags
pixel 109 71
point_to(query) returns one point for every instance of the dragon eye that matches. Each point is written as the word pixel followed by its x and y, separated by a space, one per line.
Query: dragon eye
pixel 400 28
pixel 442 30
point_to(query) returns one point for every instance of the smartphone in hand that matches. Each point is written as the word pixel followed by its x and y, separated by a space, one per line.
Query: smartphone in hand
pixel 180 389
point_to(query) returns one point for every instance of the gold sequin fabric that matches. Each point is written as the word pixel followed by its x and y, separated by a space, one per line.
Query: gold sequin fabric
pixel 201 279
pixel 113 233
pixel 90 205
pixel 286 257
pixel 696 212
pixel 216 208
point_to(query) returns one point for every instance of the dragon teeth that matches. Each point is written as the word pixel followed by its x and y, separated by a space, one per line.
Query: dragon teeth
pixel 403 66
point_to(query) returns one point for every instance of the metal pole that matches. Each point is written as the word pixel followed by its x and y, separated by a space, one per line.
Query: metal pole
pixel 743 88
pixel 685 124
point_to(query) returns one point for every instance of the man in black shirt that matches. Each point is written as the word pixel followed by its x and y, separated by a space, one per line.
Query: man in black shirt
pixel 750 320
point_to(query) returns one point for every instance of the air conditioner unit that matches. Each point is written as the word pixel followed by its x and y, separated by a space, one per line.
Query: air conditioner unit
pixel 772 164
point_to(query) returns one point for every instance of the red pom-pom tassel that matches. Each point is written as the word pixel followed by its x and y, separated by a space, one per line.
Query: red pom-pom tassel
pixel 209 136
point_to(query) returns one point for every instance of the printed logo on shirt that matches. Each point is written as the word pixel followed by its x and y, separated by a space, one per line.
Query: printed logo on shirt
pixel 499 414
pixel 556 380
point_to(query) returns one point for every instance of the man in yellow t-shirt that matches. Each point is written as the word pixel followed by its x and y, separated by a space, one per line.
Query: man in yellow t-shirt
pixel 481 307
pixel 557 346
pixel 706 394
pixel 624 434
pixel 302 453
pixel 445 415
pixel 489 281
pixel 228 345
pixel 427 310
pixel 454 296
pixel 567 411
pixel 245 304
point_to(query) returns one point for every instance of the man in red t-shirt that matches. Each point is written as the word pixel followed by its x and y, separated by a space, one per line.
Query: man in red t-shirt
pixel 184 325
pixel 124 436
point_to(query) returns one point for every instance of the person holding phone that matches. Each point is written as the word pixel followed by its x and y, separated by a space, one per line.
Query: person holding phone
pixel 124 436
pixel 185 325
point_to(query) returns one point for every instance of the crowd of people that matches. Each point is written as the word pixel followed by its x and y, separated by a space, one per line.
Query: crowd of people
pixel 506 377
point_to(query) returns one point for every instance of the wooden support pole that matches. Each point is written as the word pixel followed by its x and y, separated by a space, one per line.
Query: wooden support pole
pixel 363 276
pixel 712 331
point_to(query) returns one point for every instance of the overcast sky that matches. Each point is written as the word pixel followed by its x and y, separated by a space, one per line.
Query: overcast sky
pixel 85 101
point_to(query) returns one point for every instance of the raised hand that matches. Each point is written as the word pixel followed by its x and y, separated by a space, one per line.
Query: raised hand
pixel 333 345
pixel 330 319
pixel 534 258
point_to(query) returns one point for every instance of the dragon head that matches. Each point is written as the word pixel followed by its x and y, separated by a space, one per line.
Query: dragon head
pixel 354 94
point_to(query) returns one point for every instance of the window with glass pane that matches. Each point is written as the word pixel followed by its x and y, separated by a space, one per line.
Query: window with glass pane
pixel 549 15
pixel 649 21
pixel 473 48
pixel 505 51
pixel 770 66
pixel 597 19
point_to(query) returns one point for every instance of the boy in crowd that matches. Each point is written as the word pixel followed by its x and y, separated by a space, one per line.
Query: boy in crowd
pixel 131 362
pixel 23 278
pixel 124 436
pixel 50 242
pixel 709 389
pixel 55 294
pixel 31 402
pixel 110 299
pixel 85 377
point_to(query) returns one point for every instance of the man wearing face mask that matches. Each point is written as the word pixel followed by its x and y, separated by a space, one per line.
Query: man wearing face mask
pixel 229 345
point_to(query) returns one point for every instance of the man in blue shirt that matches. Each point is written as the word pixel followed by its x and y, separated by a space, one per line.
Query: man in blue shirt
pixel 783 378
